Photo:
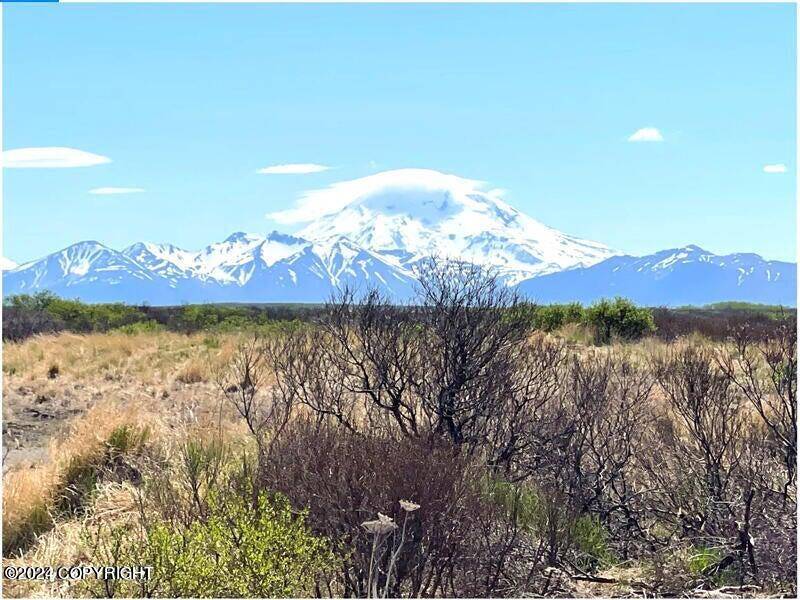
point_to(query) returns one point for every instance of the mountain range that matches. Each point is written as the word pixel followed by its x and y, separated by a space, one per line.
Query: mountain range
pixel 373 234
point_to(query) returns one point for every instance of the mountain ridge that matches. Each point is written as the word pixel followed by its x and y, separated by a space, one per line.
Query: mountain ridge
pixel 374 231
pixel 686 275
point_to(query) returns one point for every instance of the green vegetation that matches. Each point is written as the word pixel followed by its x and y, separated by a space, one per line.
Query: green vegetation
pixel 550 317
pixel 538 516
pixel 207 531
pixel 44 312
pixel 77 315
pixel 769 310
pixel 240 550
pixel 591 540
pixel 619 318
pixel 602 322
pixel 702 559
pixel 609 319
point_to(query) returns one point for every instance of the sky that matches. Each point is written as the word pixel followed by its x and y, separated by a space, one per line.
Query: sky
pixel 644 127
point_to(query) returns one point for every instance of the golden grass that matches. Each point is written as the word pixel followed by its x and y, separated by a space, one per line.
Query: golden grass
pixel 150 357
pixel 159 381
pixel 66 544
pixel 193 371
pixel 31 495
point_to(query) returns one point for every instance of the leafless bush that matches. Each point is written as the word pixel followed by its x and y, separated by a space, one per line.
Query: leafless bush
pixel 611 404
pixel 242 381
pixel 701 396
pixel 716 472
pixel 452 545
pixel 528 457
pixel 459 365
pixel 765 371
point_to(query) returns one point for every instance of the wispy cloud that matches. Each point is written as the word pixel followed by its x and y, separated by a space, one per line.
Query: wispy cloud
pixel 776 168
pixel 646 134
pixel 293 169
pixel 6 264
pixel 107 191
pixel 50 157
pixel 410 182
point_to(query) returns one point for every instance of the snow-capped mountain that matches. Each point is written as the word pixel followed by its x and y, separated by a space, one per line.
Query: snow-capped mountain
pixel 680 276
pixel 241 268
pixel 167 261
pixel 88 270
pixel 372 232
pixel 408 215
pixel 6 264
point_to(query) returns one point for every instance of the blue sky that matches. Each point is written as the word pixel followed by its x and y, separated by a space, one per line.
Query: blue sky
pixel 188 102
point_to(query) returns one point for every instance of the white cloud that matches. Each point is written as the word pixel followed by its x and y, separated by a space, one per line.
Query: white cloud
pixel 6 264
pixel 777 168
pixel 316 203
pixel 293 169
pixel 107 191
pixel 646 134
pixel 53 157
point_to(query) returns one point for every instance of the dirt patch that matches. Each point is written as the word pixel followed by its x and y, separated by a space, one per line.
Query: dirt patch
pixel 38 411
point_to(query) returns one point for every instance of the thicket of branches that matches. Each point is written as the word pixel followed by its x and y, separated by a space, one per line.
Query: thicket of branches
pixel 532 463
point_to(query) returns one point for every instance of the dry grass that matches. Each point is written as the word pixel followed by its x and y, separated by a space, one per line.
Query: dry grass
pixel 65 543
pixel 56 423
pixel 150 357
pixel 161 382
pixel 193 372
pixel 169 372
pixel 31 496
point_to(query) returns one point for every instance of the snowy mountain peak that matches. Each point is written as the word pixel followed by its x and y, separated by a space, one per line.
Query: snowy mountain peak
pixel 373 231
pixel 407 215
pixel 284 238
pixel 694 248
pixel 240 237
pixel 79 258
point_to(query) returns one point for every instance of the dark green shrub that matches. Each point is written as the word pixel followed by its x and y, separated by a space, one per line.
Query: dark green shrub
pixel 81 317
pixel 197 316
pixel 551 317
pixel 235 323
pixel 619 318
pixel 34 302
pixel 555 316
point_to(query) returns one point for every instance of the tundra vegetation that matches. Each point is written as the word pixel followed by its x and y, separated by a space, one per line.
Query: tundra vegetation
pixel 469 445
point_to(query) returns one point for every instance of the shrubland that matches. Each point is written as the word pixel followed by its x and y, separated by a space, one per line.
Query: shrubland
pixel 464 446
pixel 602 322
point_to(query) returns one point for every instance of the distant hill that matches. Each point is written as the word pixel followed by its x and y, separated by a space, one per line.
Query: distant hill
pixel 676 277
